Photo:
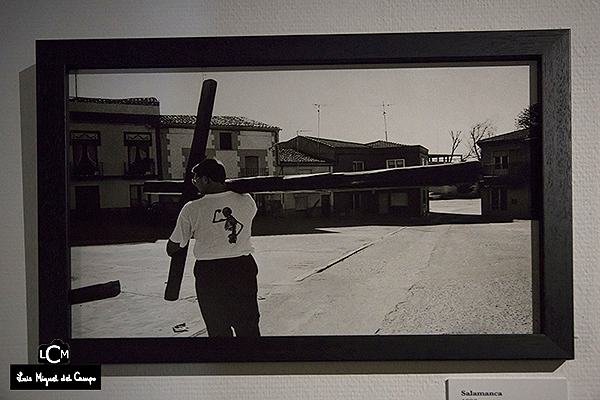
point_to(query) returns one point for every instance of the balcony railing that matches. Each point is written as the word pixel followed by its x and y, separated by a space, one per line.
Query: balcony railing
pixel 140 168
pixel 512 174
pixel 147 168
pixel 247 172
pixel 87 171
pixel 509 169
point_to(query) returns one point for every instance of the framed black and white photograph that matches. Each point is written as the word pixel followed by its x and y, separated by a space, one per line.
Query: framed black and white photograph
pixel 412 191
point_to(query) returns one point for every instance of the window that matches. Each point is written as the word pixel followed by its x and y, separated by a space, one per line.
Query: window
pixel 138 153
pixel 301 202
pixel 225 141
pixel 358 165
pixel 399 199
pixel 136 195
pixel 356 201
pixel 85 153
pixel 500 163
pixel 398 163
pixel 251 163
pixel 498 199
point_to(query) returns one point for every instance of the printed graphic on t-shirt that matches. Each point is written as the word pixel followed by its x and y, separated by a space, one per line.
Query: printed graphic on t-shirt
pixel 231 224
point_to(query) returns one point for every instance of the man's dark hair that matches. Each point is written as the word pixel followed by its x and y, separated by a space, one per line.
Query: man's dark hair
pixel 211 168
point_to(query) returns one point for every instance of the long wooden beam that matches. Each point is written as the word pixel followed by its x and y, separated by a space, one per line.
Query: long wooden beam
pixel 426 175
pixel 187 190
pixel 435 175
pixel 200 138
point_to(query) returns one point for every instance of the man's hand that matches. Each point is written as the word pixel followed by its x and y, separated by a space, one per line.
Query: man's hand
pixel 172 248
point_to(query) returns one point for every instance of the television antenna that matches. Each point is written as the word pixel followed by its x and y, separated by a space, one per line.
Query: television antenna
pixel 318 107
pixel 383 106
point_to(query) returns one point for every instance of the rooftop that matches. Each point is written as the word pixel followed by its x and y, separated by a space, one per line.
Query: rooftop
pixel 216 122
pixel 382 144
pixel 137 101
pixel 333 142
pixel 522 134
pixel 378 144
pixel 293 156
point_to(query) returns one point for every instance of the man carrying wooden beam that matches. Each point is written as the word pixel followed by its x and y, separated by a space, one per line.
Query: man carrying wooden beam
pixel 237 222
pixel 215 217
pixel 225 270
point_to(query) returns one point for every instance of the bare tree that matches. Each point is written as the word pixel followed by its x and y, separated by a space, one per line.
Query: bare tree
pixel 478 132
pixel 456 140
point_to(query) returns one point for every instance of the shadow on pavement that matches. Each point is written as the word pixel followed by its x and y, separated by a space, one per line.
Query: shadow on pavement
pixel 110 229
pixel 289 226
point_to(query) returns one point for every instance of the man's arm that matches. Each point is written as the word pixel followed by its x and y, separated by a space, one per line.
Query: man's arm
pixel 172 248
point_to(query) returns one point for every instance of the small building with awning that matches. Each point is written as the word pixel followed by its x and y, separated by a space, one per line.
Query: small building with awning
pixel 345 156
pixel 508 175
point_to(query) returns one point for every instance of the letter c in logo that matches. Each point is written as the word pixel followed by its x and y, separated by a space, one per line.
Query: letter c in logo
pixel 48 354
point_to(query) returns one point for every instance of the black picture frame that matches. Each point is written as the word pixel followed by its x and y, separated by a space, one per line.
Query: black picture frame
pixel 549 48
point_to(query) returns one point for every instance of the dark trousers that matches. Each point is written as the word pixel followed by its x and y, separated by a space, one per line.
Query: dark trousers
pixel 227 294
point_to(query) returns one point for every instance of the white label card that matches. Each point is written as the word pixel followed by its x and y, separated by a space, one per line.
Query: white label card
pixel 506 389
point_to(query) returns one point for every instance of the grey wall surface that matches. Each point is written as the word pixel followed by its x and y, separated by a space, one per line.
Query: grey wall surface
pixel 21 23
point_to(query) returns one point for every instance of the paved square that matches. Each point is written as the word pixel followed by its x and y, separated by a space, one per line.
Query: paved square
pixel 437 278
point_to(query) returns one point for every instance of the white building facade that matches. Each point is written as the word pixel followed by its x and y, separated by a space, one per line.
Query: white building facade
pixel 115 145
pixel 246 147
pixel 112 151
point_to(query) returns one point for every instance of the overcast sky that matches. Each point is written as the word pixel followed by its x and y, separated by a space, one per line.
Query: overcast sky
pixel 422 105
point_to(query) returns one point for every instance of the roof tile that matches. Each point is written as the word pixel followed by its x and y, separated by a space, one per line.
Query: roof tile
pixel 216 122
pixel 379 144
pixel 138 101
pixel 515 135
pixel 293 156
pixel 382 144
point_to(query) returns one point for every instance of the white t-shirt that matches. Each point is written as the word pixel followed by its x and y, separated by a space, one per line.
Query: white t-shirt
pixel 220 223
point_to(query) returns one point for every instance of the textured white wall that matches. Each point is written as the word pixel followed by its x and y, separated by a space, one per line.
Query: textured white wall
pixel 21 22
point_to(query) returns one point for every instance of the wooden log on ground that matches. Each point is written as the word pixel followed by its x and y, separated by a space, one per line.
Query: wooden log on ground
pixel 95 292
